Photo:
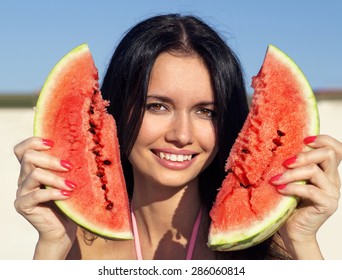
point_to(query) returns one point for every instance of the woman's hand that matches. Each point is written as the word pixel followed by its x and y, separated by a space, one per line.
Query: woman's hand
pixel 35 202
pixel 319 196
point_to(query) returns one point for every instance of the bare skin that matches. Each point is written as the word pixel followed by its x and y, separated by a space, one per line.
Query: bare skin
pixel 178 121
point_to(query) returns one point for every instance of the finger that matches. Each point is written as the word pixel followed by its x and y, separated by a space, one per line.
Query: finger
pixel 325 157
pixel 311 173
pixel 27 203
pixel 323 141
pixel 32 143
pixel 322 202
pixel 33 159
pixel 43 177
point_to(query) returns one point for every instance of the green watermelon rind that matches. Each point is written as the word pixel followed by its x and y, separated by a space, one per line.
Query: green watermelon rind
pixel 238 239
pixel 261 230
pixel 39 114
pixel 314 125
pixel 92 227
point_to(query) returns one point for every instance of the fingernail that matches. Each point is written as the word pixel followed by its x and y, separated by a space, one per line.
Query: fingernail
pixel 66 164
pixel 66 193
pixel 280 187
pixel 309 139
pixel 290 161
pixel 275 178
pixel 70 184
pixel 48 142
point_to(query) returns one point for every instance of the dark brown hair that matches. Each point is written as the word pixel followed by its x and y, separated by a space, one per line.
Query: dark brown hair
pixel 126 81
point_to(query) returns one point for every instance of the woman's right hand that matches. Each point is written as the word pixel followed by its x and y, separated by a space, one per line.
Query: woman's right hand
pixel 35 202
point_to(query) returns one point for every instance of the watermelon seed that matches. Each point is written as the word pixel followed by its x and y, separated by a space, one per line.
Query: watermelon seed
pixel 280 133
pixel 107 162
pixel 277 142
pixel 91 110
pixel 109 205
pixel 245 151
pixel 100 172
pixel 96 152
pixel 92 127
pixel 96 139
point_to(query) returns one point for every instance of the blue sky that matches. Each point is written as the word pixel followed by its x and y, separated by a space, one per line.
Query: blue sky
pixel 35 34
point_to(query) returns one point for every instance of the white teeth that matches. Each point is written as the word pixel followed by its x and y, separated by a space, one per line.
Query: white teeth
pixel 180 158
pixel 174 157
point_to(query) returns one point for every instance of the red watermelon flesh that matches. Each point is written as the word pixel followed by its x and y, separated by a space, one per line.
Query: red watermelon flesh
pixel 248 209
pixel 71 112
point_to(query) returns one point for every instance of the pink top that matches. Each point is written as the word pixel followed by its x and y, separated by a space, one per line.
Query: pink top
pixel 192 239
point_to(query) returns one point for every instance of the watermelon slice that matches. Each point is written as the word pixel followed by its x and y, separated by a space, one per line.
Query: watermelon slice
pixel 248 209
pixel 71 112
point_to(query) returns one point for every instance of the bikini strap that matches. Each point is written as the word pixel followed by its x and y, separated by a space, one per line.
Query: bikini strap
pixel 136 236
pixel 194 234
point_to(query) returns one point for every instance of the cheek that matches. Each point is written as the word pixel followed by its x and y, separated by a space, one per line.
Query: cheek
pixel 150 130
pixel 206 135
pixel 209 143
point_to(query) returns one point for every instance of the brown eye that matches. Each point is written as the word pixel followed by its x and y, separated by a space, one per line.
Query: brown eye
pixel 155 107
pixel 206 113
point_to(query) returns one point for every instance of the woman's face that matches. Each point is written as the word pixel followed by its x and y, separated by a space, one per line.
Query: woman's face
pixel 177 138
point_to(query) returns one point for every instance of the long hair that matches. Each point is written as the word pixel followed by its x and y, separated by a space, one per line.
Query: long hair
pixel 126 82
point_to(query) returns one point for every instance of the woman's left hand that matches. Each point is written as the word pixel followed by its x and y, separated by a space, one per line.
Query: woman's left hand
pixel 319 196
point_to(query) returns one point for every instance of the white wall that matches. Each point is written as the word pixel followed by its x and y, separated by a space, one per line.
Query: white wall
pixel 330 235
pixel 18 237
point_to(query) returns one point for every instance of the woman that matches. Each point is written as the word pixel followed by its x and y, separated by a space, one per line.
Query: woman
pixel 177 94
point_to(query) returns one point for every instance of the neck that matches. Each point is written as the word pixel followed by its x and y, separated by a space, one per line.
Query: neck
pixel 165 218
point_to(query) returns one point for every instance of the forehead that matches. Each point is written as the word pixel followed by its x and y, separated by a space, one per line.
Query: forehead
pixel 180 74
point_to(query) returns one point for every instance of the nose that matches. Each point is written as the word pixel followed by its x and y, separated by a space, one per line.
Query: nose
pixel 180 131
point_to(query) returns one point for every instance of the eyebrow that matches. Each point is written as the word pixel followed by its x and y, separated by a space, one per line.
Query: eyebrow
pixel 169 100
pixel 160 97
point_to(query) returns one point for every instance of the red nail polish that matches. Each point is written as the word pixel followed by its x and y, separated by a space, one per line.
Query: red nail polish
pixel 48 142
pixel 66 164
pixel 70 184
pixel 290 161
pixel 66 193
pixel 280 187
pixel 309 139
pixel 275 178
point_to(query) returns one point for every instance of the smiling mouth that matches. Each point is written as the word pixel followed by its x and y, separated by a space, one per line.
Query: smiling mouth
pixel 175 157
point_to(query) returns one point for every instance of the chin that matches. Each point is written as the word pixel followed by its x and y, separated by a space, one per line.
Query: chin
pixel 176 181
